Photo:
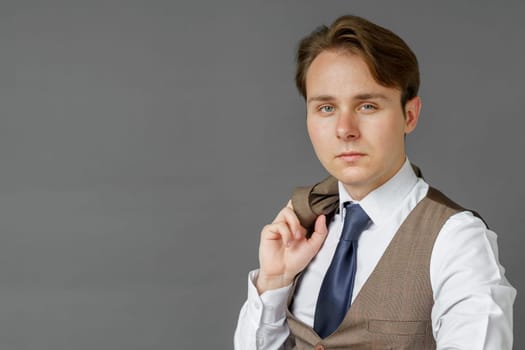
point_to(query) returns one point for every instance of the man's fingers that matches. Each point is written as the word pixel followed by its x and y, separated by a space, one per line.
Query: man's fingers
pixel 288 216
pixel 320 232
pixel 278 230
pixel 320 225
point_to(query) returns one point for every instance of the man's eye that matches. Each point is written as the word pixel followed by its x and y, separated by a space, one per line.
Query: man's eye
pixel 327 109
pixel 367 107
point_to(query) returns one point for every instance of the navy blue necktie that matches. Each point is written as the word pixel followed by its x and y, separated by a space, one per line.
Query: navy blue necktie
pixel 335 295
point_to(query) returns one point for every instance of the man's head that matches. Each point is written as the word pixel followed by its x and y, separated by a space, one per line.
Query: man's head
pixel 389 59
pixel 360 83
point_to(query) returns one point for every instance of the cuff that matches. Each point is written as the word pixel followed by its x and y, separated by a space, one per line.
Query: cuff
pixel 271 305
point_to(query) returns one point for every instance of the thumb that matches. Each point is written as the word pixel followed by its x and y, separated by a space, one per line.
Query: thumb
pixel 320 231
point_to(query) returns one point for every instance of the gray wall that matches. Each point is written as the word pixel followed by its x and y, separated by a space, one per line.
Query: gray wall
pixel 143 145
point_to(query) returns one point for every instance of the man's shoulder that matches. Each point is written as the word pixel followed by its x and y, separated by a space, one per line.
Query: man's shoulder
pixel 436 196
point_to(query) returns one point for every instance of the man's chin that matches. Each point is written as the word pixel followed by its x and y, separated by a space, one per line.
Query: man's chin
pixel 351 176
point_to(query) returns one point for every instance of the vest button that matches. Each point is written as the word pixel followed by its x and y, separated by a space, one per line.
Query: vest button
pixel 319 347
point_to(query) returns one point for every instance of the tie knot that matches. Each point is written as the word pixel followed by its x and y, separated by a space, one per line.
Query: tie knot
pixel 356 221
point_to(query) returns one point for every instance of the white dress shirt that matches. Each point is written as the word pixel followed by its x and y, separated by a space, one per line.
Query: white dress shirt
pixel 472 299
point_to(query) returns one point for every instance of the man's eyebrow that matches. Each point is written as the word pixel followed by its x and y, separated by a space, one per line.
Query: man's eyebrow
pixel 320 98
pixel 370 96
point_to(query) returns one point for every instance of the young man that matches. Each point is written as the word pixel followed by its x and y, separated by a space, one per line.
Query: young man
pixel 372 257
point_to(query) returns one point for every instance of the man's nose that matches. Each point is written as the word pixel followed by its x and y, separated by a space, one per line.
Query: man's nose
pixel 347 126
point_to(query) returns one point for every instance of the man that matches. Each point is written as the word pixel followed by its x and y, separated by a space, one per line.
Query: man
pixel 384 261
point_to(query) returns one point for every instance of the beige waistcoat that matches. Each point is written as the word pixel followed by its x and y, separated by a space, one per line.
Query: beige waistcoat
pixel 393 308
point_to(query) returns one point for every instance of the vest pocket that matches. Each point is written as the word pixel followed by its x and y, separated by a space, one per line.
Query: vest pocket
pixel 398 327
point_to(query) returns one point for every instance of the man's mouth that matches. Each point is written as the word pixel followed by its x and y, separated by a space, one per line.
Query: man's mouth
pixel 350 156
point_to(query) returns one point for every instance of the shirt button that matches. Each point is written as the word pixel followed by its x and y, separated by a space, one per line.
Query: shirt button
pixel 319 347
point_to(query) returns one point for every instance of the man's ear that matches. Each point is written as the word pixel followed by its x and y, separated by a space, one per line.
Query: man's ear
pixel 412 109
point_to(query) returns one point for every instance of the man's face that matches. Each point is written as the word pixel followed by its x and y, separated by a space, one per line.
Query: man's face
pixel 356 126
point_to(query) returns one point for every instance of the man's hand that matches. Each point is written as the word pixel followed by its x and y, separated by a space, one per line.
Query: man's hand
pixel 284 250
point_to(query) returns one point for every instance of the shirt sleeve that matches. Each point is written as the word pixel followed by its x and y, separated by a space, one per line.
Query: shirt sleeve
pixel 262 320
pixel 472 299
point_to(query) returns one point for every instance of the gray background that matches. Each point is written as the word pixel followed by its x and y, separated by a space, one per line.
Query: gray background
pixel 143 145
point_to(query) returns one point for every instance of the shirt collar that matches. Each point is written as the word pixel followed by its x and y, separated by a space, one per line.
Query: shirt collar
pixel 382 202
